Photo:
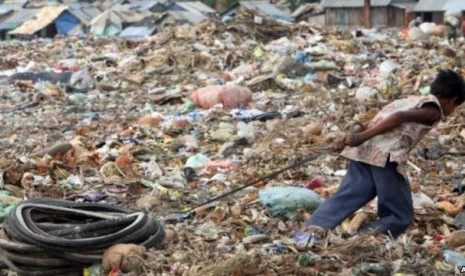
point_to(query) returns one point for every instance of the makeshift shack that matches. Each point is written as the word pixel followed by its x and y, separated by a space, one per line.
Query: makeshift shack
pixel 311 13
pixel 186 13
pixel 176 18
pixel 112 22
pixel 264 8
pixel 142 29
pixel 76 19
pixel 431 10
pixel 392 13
pixel 41 24
pixel 13 20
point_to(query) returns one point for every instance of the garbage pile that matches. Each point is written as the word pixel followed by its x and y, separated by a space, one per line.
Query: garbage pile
pixel 178 119
pixel 423 30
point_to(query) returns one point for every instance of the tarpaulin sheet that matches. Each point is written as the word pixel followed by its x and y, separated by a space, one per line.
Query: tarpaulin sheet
pixel 66 22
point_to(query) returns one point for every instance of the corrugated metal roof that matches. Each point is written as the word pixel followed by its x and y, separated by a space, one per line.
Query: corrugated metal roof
pixel 191 17
pixel 148 4
pixel 195 6
pixel 142 4
pixel 12 6
pixel 16 19
pixel 455 5
pixel 15 1
pixel 430 6
pixel 267 9
pixel 5 12
pixel 354 3
pixel 20 16
pixel 42 3
pixel 111 21
pixel 42 19
pixel 149 21
pixel 15 4
pixel 137 31
pixel 110 3
pixel 314 8
pixel 86 15
pixel 78 5
pixel 9 26
pixel 405 6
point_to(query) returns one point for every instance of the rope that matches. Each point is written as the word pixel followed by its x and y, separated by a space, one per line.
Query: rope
pixel 266 177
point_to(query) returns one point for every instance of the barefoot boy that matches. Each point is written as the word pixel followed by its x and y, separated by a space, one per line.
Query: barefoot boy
pixel 379 153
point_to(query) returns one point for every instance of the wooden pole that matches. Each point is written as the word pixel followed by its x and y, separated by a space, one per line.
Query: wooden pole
pixel 368 14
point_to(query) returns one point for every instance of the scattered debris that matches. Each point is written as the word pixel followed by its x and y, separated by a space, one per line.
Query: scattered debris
pixel 167 123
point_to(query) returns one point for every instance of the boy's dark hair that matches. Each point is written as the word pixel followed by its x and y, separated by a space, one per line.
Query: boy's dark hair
pixel 448 85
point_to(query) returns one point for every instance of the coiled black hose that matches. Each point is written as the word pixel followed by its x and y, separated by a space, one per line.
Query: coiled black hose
pixel 59 237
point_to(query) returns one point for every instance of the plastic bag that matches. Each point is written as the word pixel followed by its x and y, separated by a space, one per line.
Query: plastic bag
pixel 197 161
pixel 453 13
pixel 282 45
pixel 426 27
pixel 364 93
pixel 421 200
pixel 417 34
pixel 452 20
pixel 230 96
pixel 244 70
pixel 287 201
pixel 454 258
pixel 388 66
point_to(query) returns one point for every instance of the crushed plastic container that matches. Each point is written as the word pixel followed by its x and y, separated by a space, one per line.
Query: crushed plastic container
pixel 288 201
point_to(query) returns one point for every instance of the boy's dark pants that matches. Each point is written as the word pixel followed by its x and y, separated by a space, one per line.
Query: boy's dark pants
pixel 360 185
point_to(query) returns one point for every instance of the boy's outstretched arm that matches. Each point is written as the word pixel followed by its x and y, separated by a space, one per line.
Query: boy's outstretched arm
pixel 427 115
